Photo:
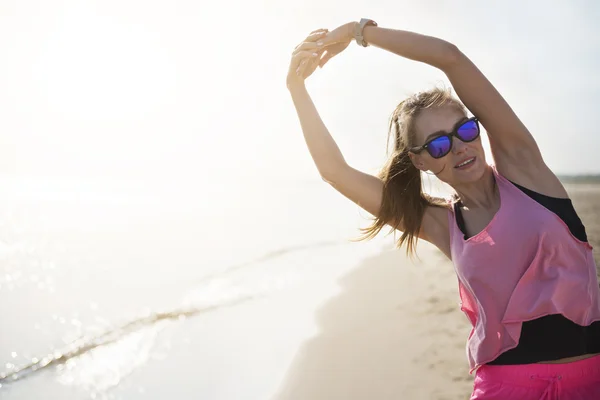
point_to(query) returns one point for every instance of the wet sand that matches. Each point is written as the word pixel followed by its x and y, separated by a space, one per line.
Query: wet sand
pixel 395 331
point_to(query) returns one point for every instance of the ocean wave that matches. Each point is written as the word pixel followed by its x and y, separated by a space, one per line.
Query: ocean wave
pixel 86 344
pixel 211 293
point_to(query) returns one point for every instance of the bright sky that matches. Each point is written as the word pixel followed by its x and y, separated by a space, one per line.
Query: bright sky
pixel 145 88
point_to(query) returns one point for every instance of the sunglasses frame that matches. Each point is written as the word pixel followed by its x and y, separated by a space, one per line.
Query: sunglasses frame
pixel 454 132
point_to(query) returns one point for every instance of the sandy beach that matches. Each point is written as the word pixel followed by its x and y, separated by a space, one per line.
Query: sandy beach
pixel 395 331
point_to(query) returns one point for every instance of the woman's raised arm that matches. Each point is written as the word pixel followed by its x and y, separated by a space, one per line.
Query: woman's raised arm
pixel 509 138
pixel 511 142
pixel 322 147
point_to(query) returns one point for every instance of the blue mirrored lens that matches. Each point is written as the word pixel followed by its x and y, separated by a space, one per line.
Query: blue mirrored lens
pixel 468 131
pixel 439 147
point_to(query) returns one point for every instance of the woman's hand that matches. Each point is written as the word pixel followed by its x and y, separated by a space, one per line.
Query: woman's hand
pixel 336 41
pixel 316 50
pixel 305 58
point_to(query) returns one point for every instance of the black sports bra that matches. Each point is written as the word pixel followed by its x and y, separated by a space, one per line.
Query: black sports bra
pixel 554 336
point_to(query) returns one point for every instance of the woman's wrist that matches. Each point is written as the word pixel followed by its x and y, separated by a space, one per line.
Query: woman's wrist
pixel 296 86
pixel 352 26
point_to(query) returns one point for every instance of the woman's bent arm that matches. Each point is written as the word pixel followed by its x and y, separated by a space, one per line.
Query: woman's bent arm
pixel 509 138
pixel 430 50
pixel 326 154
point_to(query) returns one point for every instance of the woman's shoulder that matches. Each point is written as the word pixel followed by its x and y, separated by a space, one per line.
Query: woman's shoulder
pixel 444 203
pixel 539 179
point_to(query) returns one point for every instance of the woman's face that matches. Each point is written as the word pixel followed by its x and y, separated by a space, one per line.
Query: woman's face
pixel 431 122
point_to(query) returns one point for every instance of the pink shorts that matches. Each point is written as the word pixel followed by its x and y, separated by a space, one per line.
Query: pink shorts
pixel 578 380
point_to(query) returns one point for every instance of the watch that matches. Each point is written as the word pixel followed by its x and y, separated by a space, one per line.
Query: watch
pixel 358 30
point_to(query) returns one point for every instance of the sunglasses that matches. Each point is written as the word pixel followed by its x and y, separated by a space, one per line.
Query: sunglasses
pixel 441 145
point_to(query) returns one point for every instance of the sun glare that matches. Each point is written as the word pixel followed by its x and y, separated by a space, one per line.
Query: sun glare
pixel 97 67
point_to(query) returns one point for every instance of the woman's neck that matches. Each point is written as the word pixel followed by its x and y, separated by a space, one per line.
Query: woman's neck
pixel 481 193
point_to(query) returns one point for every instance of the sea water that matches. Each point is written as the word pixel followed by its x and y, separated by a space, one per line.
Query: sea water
pixel 97 276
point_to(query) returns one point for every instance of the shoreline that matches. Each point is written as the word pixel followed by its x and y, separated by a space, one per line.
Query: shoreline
pixel 394 331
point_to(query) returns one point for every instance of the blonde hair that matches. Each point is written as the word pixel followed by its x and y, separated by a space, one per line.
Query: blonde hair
pixel 404 202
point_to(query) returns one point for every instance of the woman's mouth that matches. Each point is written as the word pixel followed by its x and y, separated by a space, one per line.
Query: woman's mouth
pixel 464 164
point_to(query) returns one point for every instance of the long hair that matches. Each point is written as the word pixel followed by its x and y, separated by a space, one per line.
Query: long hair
pixel 404 203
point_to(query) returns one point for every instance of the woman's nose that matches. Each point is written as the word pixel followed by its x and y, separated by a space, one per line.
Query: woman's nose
pixel 458 146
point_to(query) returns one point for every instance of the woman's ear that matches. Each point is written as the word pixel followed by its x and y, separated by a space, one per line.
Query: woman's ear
pixel 417 162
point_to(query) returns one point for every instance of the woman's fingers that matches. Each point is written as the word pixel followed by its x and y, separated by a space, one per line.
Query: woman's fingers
pixel 307 62
pixel 307 67
pixel 306 46
pixel 314 36
pixel 302 68
pixel 302 57
pixel 326 56
pixel 310 41
pixel 331 51
pixel 306 56
pixel 317 32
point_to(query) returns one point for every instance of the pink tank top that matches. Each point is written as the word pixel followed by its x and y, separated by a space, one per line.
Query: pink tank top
pixel 525 264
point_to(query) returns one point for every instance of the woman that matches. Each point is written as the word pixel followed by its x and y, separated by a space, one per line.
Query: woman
pixel 527 278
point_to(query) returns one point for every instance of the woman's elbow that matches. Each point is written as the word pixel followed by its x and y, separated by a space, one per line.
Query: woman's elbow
pixel 452 56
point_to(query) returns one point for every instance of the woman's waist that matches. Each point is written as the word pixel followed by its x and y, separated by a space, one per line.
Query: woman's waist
pixel 552 339
pixel 569 359
pixel 573 373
